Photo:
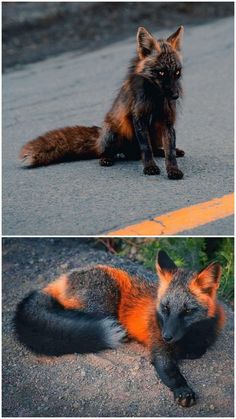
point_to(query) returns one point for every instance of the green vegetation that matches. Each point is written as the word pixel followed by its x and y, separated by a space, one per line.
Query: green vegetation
pixel 194 253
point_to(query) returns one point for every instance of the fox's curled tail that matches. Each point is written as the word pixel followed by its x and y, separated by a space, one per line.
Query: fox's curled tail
pixel 69 143
pixel 44 326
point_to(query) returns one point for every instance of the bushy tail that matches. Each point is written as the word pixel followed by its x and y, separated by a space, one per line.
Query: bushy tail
pixel 45 327
pixel 69 143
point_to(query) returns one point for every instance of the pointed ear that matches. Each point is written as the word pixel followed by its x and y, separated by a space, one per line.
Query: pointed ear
pixel 145 43
pixel 165 266
pixel 176 38
pixel 208 279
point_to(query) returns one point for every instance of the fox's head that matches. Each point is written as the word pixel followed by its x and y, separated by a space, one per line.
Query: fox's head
pixel 184 297
pixel 159 61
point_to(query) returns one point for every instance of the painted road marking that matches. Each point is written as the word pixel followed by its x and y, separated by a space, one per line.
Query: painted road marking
pixel 182 219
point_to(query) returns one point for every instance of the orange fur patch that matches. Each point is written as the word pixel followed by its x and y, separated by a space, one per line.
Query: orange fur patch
pixel 165 278
pixel 125 127
pixel 207 300
pixel 140 66
pixel 122 278
pixel 204 287
pixel 59 290
pixel 136 317
pixel 134 311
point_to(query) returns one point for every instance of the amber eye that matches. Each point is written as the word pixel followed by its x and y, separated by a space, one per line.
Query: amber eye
pixel 187 310
pixel 166 308
pixel 161 73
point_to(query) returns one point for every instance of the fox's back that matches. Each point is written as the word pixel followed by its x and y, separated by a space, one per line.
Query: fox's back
pixel 100 288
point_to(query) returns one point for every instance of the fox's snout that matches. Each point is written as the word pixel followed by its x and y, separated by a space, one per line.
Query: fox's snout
pixel 174 96
pixel 172 92
pixel 167 337
pixel 172 329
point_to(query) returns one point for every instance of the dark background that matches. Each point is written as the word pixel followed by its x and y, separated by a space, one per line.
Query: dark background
pixel 33 31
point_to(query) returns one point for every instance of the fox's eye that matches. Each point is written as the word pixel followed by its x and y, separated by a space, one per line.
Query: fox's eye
pixel 161 73
pixel 166 308
pixel 187 310
pixel 177 73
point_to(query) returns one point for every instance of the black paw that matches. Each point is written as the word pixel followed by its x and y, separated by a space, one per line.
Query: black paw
pixel 179 153
pixel 184 396
pixel 174 173
pixel 151 170
pixel 106 161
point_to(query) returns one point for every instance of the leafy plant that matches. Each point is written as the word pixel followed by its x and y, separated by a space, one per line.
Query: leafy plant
pixel 225 255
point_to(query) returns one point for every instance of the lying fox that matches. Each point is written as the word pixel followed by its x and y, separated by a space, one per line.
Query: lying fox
pixel 95 308
pixel 140 123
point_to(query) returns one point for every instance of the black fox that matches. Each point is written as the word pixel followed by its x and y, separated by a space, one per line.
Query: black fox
pixel 140 123
pixel 96 308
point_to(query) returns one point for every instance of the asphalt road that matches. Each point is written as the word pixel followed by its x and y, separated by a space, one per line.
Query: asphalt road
pixel 113 383
pixel 86 199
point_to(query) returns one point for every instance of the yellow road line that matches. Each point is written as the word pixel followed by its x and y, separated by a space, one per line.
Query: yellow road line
pixel 182 219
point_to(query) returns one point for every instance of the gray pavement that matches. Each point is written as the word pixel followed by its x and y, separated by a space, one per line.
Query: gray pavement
pixel 222 226
pixel 119 382
pixel 86 199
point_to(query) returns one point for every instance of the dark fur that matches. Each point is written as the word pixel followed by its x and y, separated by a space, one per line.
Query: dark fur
pixel 140 123
pixel 45 327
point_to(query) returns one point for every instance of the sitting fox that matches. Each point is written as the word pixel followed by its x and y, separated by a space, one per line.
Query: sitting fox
pixel 140 123
pixel 95 308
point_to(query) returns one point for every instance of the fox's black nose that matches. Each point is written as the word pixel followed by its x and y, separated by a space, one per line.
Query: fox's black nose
pixel 167 337
pixel 174 96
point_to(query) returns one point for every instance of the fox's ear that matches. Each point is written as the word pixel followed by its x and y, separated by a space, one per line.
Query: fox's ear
pixel 165 266
pixel 209 278
pixel 145 43
pixel 176 38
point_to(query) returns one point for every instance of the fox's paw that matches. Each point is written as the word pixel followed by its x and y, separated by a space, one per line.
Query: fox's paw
pixel 151 170
pixel 179 153
pixel 174 173
pixel 185 396
pixel 106 161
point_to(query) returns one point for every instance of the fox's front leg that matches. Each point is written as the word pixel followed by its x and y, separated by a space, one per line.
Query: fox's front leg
pixel 169 144
pixel 142 134
pixel 171 376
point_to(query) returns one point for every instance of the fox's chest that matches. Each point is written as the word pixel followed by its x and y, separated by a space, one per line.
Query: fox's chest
pixel 195 343
pixel 164 112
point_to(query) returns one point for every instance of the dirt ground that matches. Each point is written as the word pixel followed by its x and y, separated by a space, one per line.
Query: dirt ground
pixel 33 31
pixel 113 383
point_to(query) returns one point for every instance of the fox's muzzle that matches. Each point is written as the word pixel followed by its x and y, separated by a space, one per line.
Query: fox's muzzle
pixel 174 96
pixel 172 330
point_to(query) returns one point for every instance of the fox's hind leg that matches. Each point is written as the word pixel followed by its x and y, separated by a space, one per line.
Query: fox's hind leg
pixel 108 147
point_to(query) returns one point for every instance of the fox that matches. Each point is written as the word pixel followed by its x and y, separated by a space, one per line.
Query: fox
pixel 140 123
pixel 99 307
